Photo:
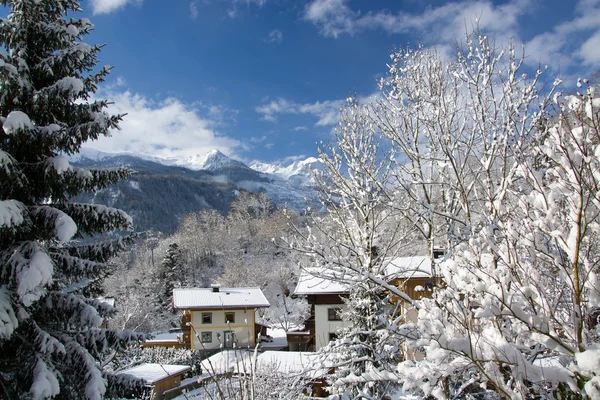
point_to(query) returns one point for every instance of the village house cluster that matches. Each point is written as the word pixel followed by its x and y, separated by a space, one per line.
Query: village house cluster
pixel 220 320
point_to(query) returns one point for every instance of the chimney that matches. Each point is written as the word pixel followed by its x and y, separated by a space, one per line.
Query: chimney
pixel 215 287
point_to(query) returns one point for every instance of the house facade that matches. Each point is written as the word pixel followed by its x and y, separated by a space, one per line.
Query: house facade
pixel 412 275
pixel 326 301
pixel 415 277
pixel 219 318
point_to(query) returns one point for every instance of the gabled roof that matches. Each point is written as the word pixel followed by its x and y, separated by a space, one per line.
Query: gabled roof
pixel 206 298
pixel 310 284
pixel 409 267
pixel 152 373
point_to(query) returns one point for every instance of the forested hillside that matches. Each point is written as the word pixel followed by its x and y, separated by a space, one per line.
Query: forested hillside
pixel 157 196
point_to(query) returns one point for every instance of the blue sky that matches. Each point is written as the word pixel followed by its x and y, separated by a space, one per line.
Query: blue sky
pixel 264 79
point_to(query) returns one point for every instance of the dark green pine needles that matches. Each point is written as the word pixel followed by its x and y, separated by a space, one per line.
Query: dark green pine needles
pixel 51 340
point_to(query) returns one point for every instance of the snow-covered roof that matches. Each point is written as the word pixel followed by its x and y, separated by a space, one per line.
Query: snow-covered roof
pixel 107 300
pixel 291 363
pixel 311 284
pixel 202 298
pixel 228 361
pixel 398 268
pixel 152 373
pixel 409 267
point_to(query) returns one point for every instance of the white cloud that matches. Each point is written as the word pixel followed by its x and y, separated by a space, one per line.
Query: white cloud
pixel 233 11
pixel 255 139
pixel 567 44
pixel 193 10
pixel 275 37
pixel 108 6
pixel 167 128
pixel 439 24
pixel 327 112
pixel 333 17
pixel 590 50
pixel 570 40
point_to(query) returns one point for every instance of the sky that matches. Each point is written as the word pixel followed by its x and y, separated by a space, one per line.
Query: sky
pixel 263 80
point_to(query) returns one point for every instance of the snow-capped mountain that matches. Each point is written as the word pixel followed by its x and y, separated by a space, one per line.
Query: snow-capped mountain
pixel 299 172
pixel 87 155
pixel 163 190
pixel 211 161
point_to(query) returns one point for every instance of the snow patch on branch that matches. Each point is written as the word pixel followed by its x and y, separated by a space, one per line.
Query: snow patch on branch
pixel 73 85
pixel 65 228
pixel 45 384
pixel 61 164
pixel 589 360
pixel 33 275
pixel 15 121
pixel 11 213
pixel 72 30
pixel 8 319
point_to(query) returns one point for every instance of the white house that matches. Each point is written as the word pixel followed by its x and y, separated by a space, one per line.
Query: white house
pixel 218 317
pixel 326 300
pixel 413 275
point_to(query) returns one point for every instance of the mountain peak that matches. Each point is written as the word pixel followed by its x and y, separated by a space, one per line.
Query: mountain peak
pixel 299 172
pixel 210 161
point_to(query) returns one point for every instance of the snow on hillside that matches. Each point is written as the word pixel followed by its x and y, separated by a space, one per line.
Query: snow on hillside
pixel 211 161
pixel 97 155
pixel 300 172
pixel 291 185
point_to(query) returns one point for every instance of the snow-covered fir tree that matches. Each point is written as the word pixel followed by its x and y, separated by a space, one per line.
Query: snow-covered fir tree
pixel 368 351
pixel 171 274
pixel 51 343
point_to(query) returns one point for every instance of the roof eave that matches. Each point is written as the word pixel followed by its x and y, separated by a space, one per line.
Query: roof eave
pixel 229 307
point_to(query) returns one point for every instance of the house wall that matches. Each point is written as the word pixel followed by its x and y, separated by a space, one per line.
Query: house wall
pixel 243 328
pixel 168 383
pixel 323 327
pixel 416 288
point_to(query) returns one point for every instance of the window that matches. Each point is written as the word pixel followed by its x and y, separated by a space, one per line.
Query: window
pixel 229 317
pixel 207 318
pixel 206 337
pixel 333 314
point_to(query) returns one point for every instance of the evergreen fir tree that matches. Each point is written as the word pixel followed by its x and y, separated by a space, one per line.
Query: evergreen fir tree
pixel 367 352
pixel 172 267
pixel 51 343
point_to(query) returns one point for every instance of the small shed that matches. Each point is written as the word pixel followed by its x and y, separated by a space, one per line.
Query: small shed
pixel 160 377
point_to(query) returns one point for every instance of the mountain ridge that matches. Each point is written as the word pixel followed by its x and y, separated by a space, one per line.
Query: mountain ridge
pixel 158 195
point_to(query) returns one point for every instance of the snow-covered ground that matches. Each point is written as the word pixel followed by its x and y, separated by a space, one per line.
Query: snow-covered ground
pixel 170 336
pixel 278 340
